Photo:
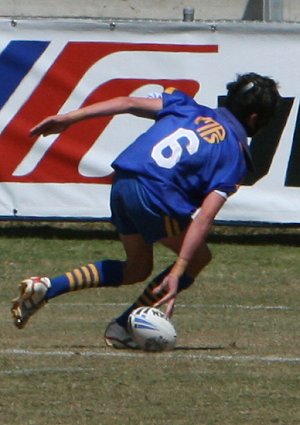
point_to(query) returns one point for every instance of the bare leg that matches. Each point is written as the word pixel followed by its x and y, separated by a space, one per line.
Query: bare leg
pixel 35 292
pixel 147 298
pixel 200 260
pixel 139 263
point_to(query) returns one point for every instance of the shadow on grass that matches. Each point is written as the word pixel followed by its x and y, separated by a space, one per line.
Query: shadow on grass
pixel 258 238
pixel 57 231
pixel 105 231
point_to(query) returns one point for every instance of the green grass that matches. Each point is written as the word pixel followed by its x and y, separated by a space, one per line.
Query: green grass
pixel 237 358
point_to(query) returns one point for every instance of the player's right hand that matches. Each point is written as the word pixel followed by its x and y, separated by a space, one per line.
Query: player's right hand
pixel 169 284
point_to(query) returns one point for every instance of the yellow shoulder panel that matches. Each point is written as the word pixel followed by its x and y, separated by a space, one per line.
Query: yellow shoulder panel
pixel 169 90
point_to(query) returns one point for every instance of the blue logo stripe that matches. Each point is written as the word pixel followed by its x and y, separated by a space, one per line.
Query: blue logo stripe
pixel 143 324
pixel 15 62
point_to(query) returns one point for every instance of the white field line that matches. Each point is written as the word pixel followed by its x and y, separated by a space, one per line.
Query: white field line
pixel 261 307
pixel 268 360
pixel 48 370
pixel 204 306
pixel 213 306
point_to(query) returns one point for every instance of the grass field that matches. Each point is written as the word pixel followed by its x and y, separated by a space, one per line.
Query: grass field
pixel 237 359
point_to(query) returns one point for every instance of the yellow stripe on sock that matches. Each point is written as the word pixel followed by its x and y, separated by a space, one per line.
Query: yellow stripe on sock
pixel 78 278
pixel 146 300
pixel 71 280
pixel 95 277
pixel 153 284
pixel 83 277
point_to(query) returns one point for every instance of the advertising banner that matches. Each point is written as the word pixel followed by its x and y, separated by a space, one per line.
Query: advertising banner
pixel 49 67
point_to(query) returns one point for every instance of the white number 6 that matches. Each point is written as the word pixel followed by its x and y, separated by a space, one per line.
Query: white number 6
pixel 168 151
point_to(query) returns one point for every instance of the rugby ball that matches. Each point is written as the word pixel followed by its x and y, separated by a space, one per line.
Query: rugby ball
pixel 151 329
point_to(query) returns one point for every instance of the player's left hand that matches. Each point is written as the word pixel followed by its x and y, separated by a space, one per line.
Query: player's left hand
pixel 52 125
pixel 169 284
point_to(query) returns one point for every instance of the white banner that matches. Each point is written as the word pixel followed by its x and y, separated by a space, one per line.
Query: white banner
pixel 47 67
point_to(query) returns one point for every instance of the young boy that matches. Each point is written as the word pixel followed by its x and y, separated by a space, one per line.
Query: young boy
pixel 169 185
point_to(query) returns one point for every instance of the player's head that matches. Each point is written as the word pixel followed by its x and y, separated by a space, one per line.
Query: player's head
pixel 253 100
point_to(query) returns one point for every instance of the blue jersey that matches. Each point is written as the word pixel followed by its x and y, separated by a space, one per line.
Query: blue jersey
pixel 190 151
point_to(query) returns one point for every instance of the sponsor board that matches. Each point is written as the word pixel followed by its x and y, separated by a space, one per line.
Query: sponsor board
pixel 53 67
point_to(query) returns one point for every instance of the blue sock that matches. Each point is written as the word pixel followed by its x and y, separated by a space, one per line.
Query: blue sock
pixel 147 298
pixel 102 273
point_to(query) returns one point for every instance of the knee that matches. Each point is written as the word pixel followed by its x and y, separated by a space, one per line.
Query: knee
pixel 142 273
pixel 137 272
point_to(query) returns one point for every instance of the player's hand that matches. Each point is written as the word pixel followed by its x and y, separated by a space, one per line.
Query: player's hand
pixel 169 284
pixel 52 125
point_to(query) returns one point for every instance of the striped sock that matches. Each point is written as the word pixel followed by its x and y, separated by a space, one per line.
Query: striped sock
pixel 102 273
pixel 147 298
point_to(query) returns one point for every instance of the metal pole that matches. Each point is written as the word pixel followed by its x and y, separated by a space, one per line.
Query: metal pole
pixel 273 10
pixel 188 14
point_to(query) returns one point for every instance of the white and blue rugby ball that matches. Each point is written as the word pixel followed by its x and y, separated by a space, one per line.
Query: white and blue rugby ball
pixel 151 329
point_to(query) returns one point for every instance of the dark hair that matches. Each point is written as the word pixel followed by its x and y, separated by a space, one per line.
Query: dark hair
pixel 252 93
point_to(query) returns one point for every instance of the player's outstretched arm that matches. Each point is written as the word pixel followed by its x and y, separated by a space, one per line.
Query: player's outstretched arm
pixel 143 107
pixel 195 237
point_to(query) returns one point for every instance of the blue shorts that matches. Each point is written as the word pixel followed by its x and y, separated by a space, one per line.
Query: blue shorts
pixel 134 213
